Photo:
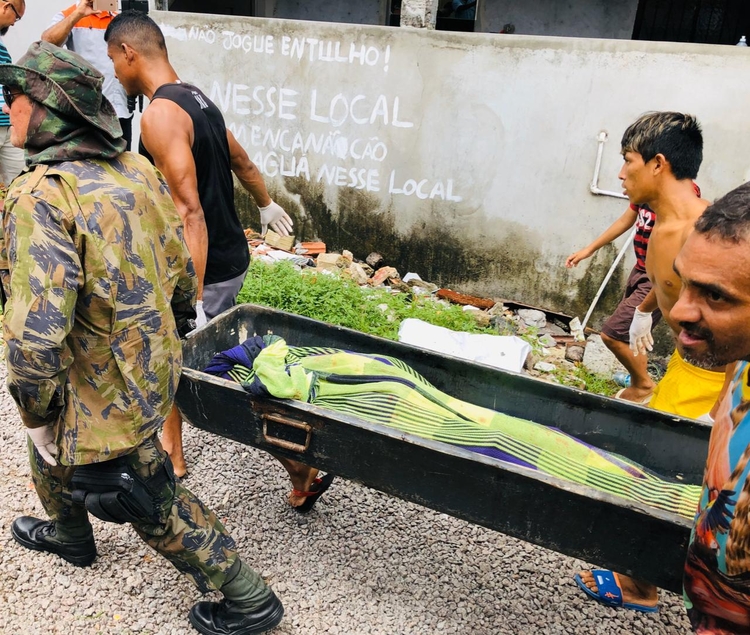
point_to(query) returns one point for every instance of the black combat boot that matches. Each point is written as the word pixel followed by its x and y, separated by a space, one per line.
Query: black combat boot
pixel 249 606
pixel 76 545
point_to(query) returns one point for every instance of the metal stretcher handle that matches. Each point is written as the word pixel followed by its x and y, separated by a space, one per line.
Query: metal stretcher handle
pixel 283 443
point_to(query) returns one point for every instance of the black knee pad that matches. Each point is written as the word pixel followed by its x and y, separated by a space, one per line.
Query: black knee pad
pixel 114 492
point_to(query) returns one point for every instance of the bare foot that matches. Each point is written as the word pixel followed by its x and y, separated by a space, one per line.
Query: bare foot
pixel 635 394
pixel 296 501
pixel 633 591
pixel 302 477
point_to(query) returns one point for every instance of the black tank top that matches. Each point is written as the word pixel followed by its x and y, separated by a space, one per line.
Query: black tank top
pixel 228 255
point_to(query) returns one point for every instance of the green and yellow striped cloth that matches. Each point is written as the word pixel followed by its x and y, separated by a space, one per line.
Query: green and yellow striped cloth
pixel 386 391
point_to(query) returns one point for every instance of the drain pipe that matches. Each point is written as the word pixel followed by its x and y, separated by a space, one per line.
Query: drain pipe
pixel 594 187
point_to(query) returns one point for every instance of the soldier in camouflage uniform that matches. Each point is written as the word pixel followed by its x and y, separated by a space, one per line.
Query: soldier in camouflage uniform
pixel 98 281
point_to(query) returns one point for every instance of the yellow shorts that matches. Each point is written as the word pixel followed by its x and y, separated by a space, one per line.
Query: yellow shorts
pixel 686 390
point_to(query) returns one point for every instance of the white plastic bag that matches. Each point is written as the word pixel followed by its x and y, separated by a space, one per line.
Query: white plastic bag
pixel 500 351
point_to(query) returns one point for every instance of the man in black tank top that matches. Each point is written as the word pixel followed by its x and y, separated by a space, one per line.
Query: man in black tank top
pixel 184 134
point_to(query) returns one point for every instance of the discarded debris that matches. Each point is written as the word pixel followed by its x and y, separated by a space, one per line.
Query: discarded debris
pixel 547 340
pixel 507 353
pixel 420 286
pixel 310 249
pixel 555 354
pixel 574 351
pixel 331 262
pixel 577 330
pixel 357 273
pixel 375 260
pixel 461 298
pixel 545 367
pixel 533 318
pixel 279 242
pixel 383 274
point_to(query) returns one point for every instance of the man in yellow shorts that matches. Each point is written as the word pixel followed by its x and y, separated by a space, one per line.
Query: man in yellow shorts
pixel 687 390
pixel 662 152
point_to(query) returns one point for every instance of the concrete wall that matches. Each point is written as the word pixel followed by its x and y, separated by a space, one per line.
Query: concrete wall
pixel 363 12
pixel 506 124
pixel 465 158
pixel 575 18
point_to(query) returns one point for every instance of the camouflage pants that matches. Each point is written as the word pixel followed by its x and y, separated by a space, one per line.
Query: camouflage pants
pixel 188 534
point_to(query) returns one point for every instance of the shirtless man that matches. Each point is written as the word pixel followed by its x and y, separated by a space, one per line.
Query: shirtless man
pixel 184 134
pixel 662 152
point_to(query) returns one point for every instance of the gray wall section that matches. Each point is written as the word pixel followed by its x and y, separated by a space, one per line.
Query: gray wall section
pixel 364 12
pixel 466 158
pixel 574 18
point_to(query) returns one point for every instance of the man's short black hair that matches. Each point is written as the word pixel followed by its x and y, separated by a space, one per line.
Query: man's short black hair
pixel 728 218
pixel 137 30
pixel 675 135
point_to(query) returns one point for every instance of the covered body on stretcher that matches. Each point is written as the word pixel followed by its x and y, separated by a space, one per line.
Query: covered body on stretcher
pixel 371 417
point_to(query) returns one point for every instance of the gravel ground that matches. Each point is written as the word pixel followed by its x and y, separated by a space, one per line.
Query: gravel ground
pixel 360 563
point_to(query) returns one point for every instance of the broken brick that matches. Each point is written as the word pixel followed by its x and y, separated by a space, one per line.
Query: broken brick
pixel 311 248
pixel 357 273
pixel 383 274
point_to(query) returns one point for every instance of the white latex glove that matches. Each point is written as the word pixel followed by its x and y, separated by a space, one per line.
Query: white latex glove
pixel 200 315
pixel 641 339
pixel 44 441
pixel 277 218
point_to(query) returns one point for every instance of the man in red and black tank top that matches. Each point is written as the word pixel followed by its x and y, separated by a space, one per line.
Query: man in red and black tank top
pixel 615 331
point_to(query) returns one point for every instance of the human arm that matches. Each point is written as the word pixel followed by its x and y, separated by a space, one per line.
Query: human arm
pixel 183 300
pixel 167 134
pixel 650 303
pixel 640 338
pixel 251 179
pixel 59 32
pixel 45 274
pixel 615 230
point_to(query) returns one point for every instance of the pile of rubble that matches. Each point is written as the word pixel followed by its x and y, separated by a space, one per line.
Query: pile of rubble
pixel 557 342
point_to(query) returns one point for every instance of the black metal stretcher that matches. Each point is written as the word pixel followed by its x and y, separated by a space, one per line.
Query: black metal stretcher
pixel 575 520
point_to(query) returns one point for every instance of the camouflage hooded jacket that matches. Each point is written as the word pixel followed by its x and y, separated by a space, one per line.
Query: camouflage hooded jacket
pixel 91 259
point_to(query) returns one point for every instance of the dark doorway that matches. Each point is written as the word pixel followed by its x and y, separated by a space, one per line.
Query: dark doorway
pixel 704 21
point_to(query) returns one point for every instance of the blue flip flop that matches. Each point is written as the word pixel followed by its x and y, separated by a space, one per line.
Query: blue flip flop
pixel 610 591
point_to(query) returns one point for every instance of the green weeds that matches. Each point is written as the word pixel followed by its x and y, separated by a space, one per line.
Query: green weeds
pixel 584 379
pixel 342 302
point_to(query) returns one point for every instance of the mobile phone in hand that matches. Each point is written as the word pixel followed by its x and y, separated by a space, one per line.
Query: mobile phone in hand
pixel 105 5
